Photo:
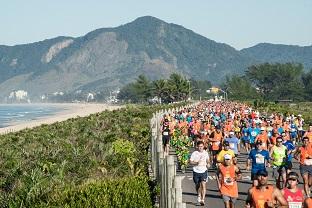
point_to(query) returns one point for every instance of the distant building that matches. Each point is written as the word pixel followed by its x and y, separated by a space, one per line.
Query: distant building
pixel 18 96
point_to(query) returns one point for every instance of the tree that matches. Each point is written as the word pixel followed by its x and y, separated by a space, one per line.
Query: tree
pixel 199 87
pixel 240 88
pixel 179 87
pixel 143 88
pixel 307 82
pixel 160 89
pixel 277 81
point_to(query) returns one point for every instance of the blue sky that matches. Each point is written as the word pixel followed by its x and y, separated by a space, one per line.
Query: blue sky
pixel 239 23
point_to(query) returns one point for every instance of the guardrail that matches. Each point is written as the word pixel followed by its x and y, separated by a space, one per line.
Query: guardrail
pixel 163 167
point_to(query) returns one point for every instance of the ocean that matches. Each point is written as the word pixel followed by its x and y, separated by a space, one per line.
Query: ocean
pixel 19 113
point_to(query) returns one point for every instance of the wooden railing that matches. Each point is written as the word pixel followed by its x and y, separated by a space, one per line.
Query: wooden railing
pixel 163 167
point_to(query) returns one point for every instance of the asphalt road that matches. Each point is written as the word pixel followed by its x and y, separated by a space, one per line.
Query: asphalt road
pixel 213 198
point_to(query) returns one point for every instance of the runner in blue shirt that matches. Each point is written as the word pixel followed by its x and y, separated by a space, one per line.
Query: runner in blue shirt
pixel 259 159
pixel 253 132
pixel 246 137
pixel 290 149
pixel 234 144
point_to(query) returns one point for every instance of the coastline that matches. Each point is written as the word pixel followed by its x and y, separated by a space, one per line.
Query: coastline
pixel 69 110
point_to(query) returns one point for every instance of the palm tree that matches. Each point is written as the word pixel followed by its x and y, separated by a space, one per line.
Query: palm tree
pixel 160 89
pixel 179 86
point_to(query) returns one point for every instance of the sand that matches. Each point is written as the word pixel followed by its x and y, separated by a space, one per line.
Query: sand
pixel 72 110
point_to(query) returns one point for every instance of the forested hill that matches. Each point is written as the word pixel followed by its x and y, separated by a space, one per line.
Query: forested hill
pixel 278 53
pixel 108 58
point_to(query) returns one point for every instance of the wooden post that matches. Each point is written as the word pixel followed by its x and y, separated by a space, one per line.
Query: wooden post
pixel 170 176
pixel 178 190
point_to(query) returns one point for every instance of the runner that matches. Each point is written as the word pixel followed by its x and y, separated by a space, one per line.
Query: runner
pixel 234 144
pixel 253 132
pixel 278 154
pixel 264 195
pixel 309 133
pixel 200 160
pixel 305 159
pixel 166 136
pixel 246 137
pixel 259 159
pixel 216 139
pixel 227 177
pixel 293 195
pixel 226 151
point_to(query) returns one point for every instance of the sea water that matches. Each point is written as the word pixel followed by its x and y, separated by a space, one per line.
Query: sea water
pixel 20 113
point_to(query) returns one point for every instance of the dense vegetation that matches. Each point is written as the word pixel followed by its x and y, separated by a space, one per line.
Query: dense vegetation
pixel 96 161
pixel 176 88
pixel 271 82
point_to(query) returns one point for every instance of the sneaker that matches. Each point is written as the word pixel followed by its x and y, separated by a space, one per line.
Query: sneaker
pixel 198 199
pixel 202 202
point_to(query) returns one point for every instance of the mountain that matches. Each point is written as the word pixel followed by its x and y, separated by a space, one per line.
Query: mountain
pixel 108 58
pixel 267 52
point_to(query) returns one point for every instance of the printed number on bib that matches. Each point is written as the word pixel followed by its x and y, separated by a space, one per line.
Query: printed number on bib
pixel 253 133
pixel 295 204
pixel 259 159
pixel 165 133
pixel 228 181
pixel 232 145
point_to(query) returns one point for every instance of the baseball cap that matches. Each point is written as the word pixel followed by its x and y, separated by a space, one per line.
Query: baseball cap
pixel 262 128
pixel 262 173
pixel 293 175
pixel 231 132
pixel 227 157
pixel 226 143
pixel 279 139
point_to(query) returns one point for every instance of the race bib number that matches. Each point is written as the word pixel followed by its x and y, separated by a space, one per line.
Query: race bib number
pixel 228 181
pixel 245 134
pixel 307 162
pixel 259 159
pixel 295 204
pixel 165 133
pixel 253 133
pixel 217 143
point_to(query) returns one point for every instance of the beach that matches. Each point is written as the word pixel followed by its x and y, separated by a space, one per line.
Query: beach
pixel 71 110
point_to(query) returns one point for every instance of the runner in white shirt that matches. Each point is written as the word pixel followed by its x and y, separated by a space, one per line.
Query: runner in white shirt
pixel 201 162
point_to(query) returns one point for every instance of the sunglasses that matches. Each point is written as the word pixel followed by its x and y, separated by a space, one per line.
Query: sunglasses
pixel 227 159
pixel 292 179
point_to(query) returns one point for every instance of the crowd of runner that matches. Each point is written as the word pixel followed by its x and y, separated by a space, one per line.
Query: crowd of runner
pixel 221 130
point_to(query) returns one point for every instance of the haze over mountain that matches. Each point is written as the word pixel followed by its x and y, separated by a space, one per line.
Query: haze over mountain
pixel 108 58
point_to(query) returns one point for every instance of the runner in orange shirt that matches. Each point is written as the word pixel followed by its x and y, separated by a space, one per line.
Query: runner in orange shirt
pixel 263 137
pixel 227 176
pixel 264 195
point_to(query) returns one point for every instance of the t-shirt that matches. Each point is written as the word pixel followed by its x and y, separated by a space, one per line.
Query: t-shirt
pixel 233 143
pixel 245 134
pixel 290 146
pixel 253 132
pixel 202 158
pixel 258 159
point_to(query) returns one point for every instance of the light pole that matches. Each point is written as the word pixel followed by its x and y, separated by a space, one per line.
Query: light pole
pixel 224 93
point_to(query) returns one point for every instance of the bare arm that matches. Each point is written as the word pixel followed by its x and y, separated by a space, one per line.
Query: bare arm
pixel 238 173
pixel 249 199
pixel 277 194
pixel 248 164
